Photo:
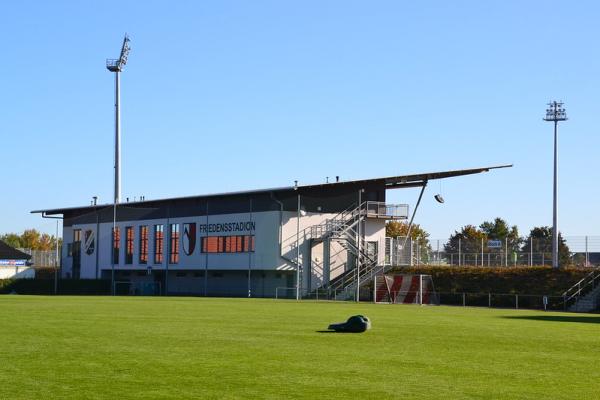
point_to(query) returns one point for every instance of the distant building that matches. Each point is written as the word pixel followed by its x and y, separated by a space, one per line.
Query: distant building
pixel 14 263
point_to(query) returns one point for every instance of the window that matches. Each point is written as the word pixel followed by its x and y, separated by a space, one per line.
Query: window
pixel 143 244
pixel 228 244
pixel 158 244
pixel 128 245
pixel 73 248
pixel 174 244
pixel 116 244
pixel 249 243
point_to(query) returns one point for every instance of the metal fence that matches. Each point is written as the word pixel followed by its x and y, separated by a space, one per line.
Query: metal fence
pixel 581 251
pixel 43 258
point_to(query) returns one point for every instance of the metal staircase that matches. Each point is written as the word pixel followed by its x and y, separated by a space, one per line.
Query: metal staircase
pixel 584 296
pixel 343 229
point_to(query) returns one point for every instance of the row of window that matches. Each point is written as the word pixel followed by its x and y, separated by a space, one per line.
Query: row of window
pixel 228 244
pixel 210 244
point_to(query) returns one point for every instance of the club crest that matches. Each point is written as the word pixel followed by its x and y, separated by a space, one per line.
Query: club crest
pixel 189 238
pixel 89 244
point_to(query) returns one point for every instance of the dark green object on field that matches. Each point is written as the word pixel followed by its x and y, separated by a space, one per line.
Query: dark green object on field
pixel 355 324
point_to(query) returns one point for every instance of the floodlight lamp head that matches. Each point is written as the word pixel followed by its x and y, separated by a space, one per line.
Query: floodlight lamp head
pixel 555 112
pixel 438 197
pixel 117 65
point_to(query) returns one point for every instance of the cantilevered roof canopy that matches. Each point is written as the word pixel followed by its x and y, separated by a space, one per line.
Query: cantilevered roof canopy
pixel 415 180
pixel 391 182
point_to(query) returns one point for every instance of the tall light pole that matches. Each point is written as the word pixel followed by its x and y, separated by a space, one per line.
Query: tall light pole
pixel 555 113
pixel 116 66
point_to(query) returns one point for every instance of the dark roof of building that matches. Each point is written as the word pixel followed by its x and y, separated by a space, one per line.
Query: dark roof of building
pixel 390 182
pixel 10 253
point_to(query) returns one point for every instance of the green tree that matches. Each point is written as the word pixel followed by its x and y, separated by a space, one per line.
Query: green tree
pixel 500 230
pixel 31 239
pixel 541 238
pixel 11 239
pixel 468 239
pixel 418 235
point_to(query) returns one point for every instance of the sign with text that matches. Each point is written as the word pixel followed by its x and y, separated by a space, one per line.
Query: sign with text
pixel 494 244
pixel 13 262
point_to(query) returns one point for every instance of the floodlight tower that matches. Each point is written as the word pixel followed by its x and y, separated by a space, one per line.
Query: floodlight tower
pixel 116 66
pixel 555 113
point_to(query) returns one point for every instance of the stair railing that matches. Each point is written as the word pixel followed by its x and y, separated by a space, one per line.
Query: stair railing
pixel 582 285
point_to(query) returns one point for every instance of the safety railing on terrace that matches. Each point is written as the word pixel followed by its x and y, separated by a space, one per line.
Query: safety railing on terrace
pixel 377 209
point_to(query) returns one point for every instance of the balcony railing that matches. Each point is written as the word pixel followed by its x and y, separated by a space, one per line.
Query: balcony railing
pixel 377 209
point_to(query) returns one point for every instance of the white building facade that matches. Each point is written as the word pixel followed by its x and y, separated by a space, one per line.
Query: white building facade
pixel 258 243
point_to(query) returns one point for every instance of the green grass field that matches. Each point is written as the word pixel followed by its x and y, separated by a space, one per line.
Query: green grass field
pixel 158 348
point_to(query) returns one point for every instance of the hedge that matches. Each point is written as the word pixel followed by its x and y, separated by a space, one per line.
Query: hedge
pixel 513 280
pixel 46 286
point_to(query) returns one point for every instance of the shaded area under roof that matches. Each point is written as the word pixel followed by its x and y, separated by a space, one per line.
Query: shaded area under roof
pixel 10 253
pixel 390 182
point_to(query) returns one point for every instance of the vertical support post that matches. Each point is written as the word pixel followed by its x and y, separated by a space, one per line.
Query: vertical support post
pixel 410 262
pixel 587 257
pixel 459 253
pixel 250 261
pixel 56 263
pixel 516 301
pixel 298 251
pixel 117 137
pixel 439 260
pixel 375 289
pixel 482 254
pixel 420 289
pixel 464 300
pixel 506 252
pixel 358 242
pixel 554 207
pixel 489 300
pixel 112 253
pixel 531 251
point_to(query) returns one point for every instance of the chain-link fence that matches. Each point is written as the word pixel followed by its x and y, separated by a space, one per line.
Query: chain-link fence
pixel 581 251
pixel 43 258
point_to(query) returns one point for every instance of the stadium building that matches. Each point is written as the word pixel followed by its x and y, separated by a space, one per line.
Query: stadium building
pixel 329 236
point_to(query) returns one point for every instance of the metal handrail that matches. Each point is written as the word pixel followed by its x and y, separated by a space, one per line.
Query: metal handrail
pixel 382 209
pixel 575 290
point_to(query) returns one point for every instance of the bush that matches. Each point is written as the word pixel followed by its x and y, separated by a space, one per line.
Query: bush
pixel 513 280
pixel 46 286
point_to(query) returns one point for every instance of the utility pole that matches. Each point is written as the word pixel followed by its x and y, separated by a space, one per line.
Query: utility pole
pixel 555 113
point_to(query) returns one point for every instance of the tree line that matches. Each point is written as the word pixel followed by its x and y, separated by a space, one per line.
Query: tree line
pixel 470 237
pixel 31 239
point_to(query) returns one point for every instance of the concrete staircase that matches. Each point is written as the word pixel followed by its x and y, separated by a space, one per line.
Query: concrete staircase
pixel 586 303
pixel 584 296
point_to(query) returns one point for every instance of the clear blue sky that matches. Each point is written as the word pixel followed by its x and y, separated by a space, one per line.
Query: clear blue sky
pixel 232 95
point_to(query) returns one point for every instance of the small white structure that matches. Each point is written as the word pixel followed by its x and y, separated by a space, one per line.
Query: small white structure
pixel 14 263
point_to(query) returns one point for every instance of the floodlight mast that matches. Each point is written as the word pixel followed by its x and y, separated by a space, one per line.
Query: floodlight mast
pixel 116 66
pixel 555 113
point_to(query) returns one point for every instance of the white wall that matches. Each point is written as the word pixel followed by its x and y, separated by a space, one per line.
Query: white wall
pixel 16 272
pixel 265 256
